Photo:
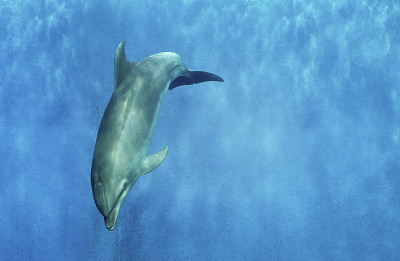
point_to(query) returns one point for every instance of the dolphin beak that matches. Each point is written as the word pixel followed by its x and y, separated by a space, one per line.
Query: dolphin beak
pixel 111 219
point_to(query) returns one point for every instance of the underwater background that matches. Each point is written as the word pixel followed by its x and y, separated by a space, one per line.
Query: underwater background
pixel 294 157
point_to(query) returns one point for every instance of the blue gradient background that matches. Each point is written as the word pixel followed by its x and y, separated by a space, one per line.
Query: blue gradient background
pixel 294 157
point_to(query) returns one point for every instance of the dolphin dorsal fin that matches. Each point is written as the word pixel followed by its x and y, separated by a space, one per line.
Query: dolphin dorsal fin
pixel 152 161
pixel 121 65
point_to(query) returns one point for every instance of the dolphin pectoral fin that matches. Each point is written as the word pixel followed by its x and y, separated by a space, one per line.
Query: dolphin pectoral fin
pixel 152 161
pixel 193 77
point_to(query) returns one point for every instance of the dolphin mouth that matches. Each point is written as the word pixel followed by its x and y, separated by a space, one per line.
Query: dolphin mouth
pixel 111 219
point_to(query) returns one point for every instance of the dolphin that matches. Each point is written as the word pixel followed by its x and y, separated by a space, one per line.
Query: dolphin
pixel 120 154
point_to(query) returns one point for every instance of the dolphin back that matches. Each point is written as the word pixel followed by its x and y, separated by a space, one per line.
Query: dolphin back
pixel 192 77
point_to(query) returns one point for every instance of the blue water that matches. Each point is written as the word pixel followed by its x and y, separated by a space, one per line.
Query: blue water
pixel 294 157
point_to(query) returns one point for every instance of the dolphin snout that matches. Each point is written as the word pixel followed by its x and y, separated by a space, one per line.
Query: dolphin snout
pixel 99 195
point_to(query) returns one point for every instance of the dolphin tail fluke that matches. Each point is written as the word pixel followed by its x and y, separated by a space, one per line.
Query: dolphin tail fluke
pixel 193 77
pixel 152 161
pixel 200 76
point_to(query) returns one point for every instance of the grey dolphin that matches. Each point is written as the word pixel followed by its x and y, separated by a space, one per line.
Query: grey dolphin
pixel 120 155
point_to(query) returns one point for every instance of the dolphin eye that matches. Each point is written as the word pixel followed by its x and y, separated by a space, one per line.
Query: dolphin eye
pixel 125 185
